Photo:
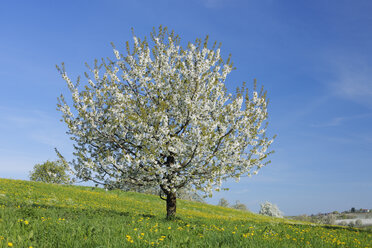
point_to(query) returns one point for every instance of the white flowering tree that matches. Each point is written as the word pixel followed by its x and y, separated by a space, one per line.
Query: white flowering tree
pixel 270 209
pixel 160 115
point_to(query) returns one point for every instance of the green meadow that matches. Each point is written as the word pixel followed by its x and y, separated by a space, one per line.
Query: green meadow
pixel 34 214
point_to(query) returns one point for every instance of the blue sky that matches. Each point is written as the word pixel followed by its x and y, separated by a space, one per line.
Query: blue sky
pixel 313 57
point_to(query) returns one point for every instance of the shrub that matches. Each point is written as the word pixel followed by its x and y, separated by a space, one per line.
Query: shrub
pixel 270 209
pixel 358 223
pixel 51 172
pixel 351 224
pixel 329 219
pixel 302 217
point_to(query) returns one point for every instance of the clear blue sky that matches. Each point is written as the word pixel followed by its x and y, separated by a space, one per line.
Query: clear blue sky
pixel 313 57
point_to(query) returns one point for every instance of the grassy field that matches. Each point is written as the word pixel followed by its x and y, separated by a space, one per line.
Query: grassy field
pixel 46 215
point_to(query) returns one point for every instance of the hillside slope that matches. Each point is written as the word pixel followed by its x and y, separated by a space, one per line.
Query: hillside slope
pixel 46 215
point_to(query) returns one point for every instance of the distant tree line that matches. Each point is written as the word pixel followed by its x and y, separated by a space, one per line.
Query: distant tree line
pixel 240 206
pixel 267 208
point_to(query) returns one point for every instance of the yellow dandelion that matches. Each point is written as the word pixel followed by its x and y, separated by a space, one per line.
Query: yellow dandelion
pixel 10 244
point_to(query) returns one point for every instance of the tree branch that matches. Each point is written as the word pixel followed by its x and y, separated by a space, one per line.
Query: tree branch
pixel 164 199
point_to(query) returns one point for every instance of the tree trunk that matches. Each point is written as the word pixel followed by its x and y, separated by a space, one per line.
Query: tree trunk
pixel 171 205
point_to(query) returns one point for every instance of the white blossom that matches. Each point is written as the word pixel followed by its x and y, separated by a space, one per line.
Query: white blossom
pixel 159 115
pixel 270 209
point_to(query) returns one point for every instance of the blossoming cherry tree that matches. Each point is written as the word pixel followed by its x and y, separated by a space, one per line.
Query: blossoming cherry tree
pixel 160 115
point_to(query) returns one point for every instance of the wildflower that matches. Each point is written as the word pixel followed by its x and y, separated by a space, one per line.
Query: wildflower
pixel 162 238
pixel 10 244
pixel 129 239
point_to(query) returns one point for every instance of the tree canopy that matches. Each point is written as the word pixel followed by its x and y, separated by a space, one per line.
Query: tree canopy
pixel 50 172
pixel 160 114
